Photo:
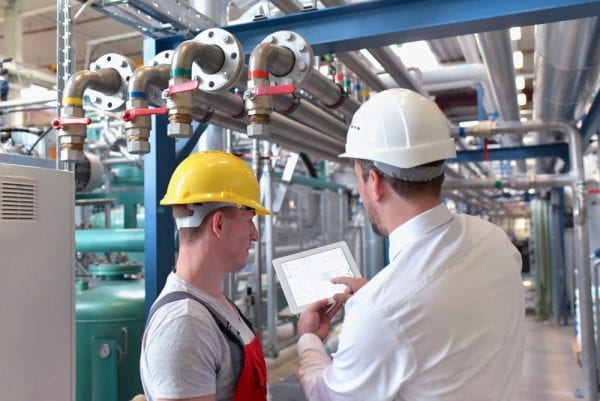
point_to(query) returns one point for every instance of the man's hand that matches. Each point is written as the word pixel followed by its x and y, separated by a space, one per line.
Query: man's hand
pixel 317 318
pixel 352 285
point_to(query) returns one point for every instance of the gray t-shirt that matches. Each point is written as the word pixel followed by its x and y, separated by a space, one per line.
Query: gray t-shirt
pixel 184 353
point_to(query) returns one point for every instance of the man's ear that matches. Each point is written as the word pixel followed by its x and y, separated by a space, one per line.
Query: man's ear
pixel 216 223
pixel 377 184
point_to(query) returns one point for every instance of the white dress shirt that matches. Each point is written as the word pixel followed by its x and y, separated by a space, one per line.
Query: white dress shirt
pixel 443 321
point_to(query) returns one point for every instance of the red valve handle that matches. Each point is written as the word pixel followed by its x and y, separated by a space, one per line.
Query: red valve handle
pixel 184 87
pixel 275 90
pixel 132 114
pixel 59 123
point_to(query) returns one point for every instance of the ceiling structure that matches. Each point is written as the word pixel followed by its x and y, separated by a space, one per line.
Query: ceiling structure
pixel 472 76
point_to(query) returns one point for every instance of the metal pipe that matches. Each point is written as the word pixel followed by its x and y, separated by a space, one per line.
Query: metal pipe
pixel 144 76
pixel 258 249
pixel 397 70
pixel 362 70
pixel 582 251
pixel 310 114
pixel 526 182
pixel 71 124
pixel 331 94
pixel 210 58
pixel 113 240
pixel 266 181
pixel 105 80
pixel 278 60
pixel 138 129
pixel 568 77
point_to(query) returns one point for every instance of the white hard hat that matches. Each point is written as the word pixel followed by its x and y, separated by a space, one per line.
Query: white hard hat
pixel 399 128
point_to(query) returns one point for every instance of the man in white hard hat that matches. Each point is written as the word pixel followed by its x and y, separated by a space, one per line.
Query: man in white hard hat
pixel 444 320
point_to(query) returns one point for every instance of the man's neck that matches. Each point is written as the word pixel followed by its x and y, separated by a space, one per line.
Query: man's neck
pixel 200 270
pixel 400 211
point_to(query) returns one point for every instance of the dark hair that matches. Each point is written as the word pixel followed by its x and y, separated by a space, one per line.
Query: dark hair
pixel 407 189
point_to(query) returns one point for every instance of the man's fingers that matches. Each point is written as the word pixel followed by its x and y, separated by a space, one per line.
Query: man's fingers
pixel 333 310
pixel 318 305
pixel 343 280
pixel 341 298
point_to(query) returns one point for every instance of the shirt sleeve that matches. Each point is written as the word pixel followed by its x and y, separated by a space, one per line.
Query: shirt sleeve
pixel 183 359
pixel 372 362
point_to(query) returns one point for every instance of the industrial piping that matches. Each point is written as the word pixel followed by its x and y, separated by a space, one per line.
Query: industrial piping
pixel 576 179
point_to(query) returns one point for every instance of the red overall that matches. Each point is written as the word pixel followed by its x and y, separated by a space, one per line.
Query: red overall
pixel 252 384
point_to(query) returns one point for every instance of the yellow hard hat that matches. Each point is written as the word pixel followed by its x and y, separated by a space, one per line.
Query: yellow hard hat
pixel 213 176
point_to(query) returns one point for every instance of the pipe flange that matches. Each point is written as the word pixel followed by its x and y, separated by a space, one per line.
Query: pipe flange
pixel 125 67
pixel 232 67
pixel 303 54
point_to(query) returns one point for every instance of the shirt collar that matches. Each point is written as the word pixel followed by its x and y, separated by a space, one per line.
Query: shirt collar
pixel 417 226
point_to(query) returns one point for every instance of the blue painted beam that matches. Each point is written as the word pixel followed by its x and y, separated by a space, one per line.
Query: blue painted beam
pixel 383 22
pixel 560 150
pixel 159 242
pixel 591 122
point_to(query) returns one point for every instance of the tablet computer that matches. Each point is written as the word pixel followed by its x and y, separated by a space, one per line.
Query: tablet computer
pixel 305 276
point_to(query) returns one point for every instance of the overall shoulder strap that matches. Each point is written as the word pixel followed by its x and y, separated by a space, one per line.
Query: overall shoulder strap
pixel 221 322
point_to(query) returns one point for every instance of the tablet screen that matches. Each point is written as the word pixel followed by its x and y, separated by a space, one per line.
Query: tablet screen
pixel 308 276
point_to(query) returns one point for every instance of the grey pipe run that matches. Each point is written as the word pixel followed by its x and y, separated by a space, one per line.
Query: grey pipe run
pixel 545 181
pixel 105 80
pixel 304 111
pixel 331 94
pixel 210 58
pixel 397 70
pixel 362 70
pixel 285 130
pixel 576 179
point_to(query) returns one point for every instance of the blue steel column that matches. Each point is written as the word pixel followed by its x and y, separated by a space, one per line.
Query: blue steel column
pixel 159 242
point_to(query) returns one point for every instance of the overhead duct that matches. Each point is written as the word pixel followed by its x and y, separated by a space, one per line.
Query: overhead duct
pixel 496 50
pixel 567 64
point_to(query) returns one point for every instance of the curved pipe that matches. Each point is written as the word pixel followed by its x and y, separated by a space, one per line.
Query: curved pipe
pixel 278 60
pixel 138 129
pixel 209 57
pixel 145 76
pixel 105 80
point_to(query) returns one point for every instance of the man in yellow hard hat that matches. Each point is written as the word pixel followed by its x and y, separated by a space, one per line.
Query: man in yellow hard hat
pixel 197 345
pixel 444 320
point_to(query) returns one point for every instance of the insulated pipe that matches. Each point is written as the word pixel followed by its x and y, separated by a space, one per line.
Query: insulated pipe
pixel 582 252
pixel 138 128
pixel 362 70
pixel 351 60
pixel 567 77
pixel 72 125
pixel 397 70
pixel 110 240
pixel 524 182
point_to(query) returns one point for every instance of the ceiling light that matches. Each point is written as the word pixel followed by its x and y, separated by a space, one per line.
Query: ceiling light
pixel 518 59
pixel 521 99
pixel 515 33
pixel 520 82
pixel 416 54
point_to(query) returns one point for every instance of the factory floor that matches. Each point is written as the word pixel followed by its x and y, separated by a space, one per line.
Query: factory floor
pixel 550 370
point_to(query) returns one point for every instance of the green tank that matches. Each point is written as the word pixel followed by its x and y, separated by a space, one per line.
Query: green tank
pixel 109 325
